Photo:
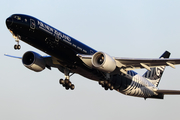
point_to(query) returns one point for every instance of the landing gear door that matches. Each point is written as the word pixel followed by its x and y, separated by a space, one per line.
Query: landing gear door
pixel 32 24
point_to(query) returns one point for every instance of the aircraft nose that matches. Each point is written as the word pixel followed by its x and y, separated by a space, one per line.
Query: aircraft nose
pixel 9 22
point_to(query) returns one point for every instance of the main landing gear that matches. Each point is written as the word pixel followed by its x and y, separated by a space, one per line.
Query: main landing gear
pixel 106 85
pixel 67 83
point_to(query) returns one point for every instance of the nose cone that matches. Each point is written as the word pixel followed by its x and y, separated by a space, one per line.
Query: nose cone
pixel 9 22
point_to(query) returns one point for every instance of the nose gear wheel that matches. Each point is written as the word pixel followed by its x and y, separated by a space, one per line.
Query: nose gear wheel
pixel 17 46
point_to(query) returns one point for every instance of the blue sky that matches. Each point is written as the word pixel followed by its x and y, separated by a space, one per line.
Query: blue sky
pixel 133 28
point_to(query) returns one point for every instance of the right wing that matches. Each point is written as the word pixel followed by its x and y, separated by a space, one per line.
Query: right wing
pixel 135 63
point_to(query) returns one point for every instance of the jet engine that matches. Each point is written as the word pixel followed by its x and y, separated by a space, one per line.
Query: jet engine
pixel 33 61
pixel 103 62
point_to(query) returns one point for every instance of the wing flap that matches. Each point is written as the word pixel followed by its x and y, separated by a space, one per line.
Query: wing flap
pixel 138 63
pixel 150 62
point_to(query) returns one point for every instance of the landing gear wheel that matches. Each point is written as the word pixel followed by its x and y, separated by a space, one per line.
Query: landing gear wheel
pixel 109 85
pixel 67 87
pixel 66 81
pixel 106 82
pixel 101 82
pixel 67 84
pixel 61 81
pixel 106 88
pixel 112 87
pixel 72 87
pixel 17 47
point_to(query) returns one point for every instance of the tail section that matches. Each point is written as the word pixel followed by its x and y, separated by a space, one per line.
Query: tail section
pixel 154 76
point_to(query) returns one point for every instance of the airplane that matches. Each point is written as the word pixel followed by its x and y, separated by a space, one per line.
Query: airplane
pixel 71 56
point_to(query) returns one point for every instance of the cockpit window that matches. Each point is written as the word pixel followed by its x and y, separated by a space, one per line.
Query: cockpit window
pixel 17 17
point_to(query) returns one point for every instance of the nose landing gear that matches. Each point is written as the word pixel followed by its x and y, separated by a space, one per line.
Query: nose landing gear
pixel 17 46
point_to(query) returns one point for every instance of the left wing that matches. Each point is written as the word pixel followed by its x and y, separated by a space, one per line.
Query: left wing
pixel 13 56
pixel 49 61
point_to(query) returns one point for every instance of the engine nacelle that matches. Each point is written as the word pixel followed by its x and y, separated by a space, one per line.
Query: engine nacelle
pixel 103 62
pixel 33 61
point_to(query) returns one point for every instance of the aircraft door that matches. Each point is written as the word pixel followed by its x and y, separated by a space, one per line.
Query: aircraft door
pixel 32 24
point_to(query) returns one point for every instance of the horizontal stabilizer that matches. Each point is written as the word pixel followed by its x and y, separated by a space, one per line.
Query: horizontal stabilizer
pixel 170 92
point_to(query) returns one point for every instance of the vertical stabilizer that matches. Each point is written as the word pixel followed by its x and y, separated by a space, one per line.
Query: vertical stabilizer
pixel 154 76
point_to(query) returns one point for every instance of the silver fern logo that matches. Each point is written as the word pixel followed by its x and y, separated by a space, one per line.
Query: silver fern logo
pixel 159 71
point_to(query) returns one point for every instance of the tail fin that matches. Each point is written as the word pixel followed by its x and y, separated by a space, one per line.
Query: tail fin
pixel 154 76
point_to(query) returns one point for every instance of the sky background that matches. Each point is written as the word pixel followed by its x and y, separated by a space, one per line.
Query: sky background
pixel 121 28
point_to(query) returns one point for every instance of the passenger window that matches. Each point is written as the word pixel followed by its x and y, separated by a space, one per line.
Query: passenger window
pixel 57 37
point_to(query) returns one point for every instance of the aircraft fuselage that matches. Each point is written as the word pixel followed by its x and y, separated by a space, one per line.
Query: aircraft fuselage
pixel 65 48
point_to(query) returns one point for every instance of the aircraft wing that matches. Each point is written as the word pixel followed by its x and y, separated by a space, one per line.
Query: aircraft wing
pixel 13 56
pixel 137 63
pixel 168 92
pixel 50 61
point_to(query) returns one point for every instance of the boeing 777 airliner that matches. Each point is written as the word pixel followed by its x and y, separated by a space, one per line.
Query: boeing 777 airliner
pixel 71 56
